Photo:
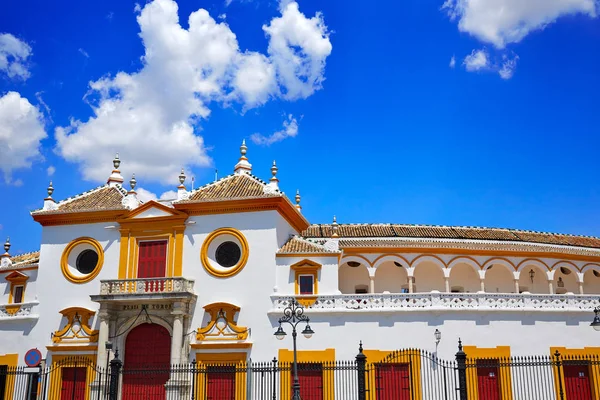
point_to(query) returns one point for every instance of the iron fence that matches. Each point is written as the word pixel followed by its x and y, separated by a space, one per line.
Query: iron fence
pixel 410 374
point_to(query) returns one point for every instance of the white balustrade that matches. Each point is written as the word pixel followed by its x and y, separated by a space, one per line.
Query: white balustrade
pixel 146 286
pixel 24 311
pixel 445 301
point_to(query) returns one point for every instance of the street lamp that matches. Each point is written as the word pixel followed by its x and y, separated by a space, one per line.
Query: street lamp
pixel 596 323
pixel 438 337
pixel 293 315
pixel 531 275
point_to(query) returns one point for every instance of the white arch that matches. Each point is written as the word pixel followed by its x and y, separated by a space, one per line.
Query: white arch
pixel 423 258
pixel 590 267
pixel 391 258
pixel 570 267
pixel 465 260
pixel 536 263
pixel 358 259
pixel 498 261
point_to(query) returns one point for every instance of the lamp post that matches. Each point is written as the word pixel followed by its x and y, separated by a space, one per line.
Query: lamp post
pixel 438 337
pixel 293 314
pixel 596 322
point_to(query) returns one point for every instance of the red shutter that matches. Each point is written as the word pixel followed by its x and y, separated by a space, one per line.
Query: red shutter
pixel 488 380
pixel 393 381
pixel 73 383
pixel 310 376
pixel 220 382
pixel 147 363
pixel 152 260
pixel 577 382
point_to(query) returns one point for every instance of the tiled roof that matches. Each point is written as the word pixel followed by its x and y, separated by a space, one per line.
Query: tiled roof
pixel 448 232
pixel 25 259
pixel 101 198
pixel 232 187
pixel 298 245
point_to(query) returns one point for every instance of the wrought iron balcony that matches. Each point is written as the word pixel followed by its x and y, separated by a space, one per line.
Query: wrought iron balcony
pixel 146 288
pixel 436 301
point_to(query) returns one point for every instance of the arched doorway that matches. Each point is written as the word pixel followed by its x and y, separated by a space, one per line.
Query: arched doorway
pixel 147 362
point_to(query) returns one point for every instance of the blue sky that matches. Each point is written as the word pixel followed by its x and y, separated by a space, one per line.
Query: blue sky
pixel 426 112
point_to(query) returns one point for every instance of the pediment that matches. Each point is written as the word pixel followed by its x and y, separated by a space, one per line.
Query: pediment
pixel 153 209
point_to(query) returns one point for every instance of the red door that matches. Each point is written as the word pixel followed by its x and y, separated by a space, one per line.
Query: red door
pixel 488 380
pixel 310 376
pixel 577 382
pixel 147 362
pixel 393 381
pixel 220 382
pixel 152 260
pixel 73 383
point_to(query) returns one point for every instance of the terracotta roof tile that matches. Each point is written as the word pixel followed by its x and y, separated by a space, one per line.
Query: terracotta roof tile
pixel 297 245
pixel 449 232
pixel 236 186
pixel 98 199
pixel 26 259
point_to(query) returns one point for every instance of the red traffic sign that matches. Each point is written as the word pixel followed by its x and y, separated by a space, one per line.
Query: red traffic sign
pixel 33 358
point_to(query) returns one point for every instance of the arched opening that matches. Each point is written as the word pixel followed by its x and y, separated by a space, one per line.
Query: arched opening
pixel 499 279
pixel 464 279
pixel 147 362
pixel 591 281
pixel 391 278
pixel 533 279
pixel 429 276
pixel 565 280
pixel 353 278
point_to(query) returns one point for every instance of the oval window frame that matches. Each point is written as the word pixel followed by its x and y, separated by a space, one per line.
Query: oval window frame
pixel 64 261
pixel 223 272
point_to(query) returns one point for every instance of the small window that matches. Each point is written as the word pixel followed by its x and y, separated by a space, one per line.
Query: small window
pixel 361 289
pixel 228 254
pixel 306 284
pixel 86 261
pixel 18 294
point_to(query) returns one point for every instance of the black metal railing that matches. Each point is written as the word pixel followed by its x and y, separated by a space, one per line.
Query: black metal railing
pixel 409 374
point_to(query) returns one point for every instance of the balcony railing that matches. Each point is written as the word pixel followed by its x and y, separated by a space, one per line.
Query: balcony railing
pixel 18 311
pixel 436 301
pixel 146 286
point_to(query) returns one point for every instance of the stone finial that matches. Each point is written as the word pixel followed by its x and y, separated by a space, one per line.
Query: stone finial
pixel 115 178
pixel 5 261
pixel 298 206
pixel 274 182
pixel 7 245
pixel 132 183
pixel 49 203
pixel 243 166
pixel 181 179
pixel 334 228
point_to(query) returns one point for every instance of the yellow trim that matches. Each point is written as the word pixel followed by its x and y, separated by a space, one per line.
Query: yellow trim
pixel 178 262
pixel 237 267
pixel 221 346
pixel 306 267
pixel 240 332
pixel 308 356
pixel 16 279
pixel 11 361
pixel 123 252
pixel 88 335
pixel 587 353
pixel 64 260
pixel 413 359
pixel 50 219
pixel 66 361
pixel 237 359
pixel 475 353
pixel 58 348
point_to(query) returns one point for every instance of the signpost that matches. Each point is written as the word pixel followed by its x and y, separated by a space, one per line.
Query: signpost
pixel 33 358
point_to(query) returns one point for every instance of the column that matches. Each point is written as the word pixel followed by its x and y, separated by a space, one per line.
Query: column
pixel 482 284
pixel 550 287
pixel 371 284
pixel 447 283
pixel 517 288
pixel 176 341
pixel 580 287
pixel 410 284
pixel 102 337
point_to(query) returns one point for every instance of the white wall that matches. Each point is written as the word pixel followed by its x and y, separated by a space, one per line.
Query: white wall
pixel 428 277
pixel 350 277
pixel 390 278
pixel 463 275
pixel 498 279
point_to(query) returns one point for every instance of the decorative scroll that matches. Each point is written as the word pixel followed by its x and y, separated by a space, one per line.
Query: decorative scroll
pixel 77 329
pixel 222 325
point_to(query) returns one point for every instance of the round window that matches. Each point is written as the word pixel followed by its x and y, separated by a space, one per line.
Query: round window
pixel 228 254
pixel 86 261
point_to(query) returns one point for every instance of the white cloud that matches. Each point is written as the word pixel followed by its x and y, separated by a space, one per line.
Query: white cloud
pixel 50 170
pixel 508 67
pixel 21 130
pixel 290 129
pixel 476 61
pixel 84 53
pixel 168 195
pixel 500 22
pixel 453 62
pixel 13 56
pixel 144 195
pixel 151 116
